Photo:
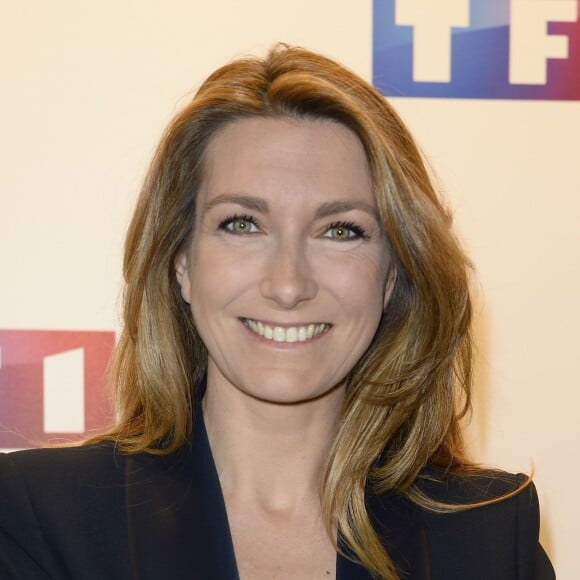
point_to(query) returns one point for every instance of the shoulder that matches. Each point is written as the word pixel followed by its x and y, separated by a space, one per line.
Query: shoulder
pixel 499 504
pixel 60 468
pixel 57 501
pixel 496 498
pixel 42 481
pixel 33 459
pixel 481 525
pixel 473 486
pixel 494 521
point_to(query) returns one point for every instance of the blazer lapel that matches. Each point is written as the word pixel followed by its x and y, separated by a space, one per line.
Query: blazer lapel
pixel 176 516
pixel 400 526
pixel 346 569
pixel 401 530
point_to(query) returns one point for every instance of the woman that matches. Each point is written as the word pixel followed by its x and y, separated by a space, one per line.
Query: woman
pixel 295 361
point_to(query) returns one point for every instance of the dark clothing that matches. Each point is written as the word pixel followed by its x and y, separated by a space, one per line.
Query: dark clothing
pixel 91 513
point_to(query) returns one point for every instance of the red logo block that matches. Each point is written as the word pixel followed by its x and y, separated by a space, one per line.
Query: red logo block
pixel 52 385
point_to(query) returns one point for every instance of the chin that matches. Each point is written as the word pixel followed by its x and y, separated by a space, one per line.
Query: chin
pixel 284 391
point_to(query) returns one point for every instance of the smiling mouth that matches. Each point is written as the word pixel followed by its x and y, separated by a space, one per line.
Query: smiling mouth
pixel 286 333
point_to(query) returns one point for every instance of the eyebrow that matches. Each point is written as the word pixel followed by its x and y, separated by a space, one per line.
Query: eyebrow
pixel 333 207
pixel 325 209
pixel 248 201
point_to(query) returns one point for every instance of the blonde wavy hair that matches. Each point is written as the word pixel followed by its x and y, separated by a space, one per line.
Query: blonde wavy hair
pixel 406 396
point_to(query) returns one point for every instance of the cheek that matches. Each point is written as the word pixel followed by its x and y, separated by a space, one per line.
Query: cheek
pixel 359 283
pixel 218 276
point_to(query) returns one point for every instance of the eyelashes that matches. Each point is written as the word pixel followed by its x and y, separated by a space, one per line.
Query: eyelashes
pixel 345 231
pixel 244 224
pixel 240 224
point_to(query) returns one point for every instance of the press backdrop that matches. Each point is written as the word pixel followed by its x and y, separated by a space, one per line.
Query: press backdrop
pixel 86 90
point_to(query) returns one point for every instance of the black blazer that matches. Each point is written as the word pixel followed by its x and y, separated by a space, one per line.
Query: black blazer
pixel 91 513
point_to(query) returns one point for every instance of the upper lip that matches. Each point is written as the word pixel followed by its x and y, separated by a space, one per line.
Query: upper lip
pixel 283 324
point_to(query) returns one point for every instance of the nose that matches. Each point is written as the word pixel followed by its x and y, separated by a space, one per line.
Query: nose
pixel 288 278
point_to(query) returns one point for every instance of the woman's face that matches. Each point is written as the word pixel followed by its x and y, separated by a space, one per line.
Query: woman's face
pixel 287 272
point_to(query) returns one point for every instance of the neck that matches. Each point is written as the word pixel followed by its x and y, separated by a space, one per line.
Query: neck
pixel 268 453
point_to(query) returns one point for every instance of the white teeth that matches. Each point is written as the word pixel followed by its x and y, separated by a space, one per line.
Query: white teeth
pixel 290 334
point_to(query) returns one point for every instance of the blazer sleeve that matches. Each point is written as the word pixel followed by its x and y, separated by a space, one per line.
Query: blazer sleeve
pixel 532 561
pixel 499 540
pixel 20 534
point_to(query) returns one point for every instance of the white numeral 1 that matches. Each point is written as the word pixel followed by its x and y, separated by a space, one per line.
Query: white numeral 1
pixel 64 392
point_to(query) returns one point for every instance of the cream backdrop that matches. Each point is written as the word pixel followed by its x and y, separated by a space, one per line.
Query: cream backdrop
pixel 86 90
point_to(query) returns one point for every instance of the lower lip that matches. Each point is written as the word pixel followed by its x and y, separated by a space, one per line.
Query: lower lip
pixel 284 345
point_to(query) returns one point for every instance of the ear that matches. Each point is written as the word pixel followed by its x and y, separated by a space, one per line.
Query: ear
pixel 182 274
pixel 389 285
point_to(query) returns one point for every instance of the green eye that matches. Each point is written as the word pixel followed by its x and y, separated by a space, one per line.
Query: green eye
pixel 345 231
pixel 340 233
pixel 241 225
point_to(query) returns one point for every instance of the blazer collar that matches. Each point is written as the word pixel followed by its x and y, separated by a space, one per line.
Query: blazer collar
pixel 178 527
pixel 176 515
pixel 400 526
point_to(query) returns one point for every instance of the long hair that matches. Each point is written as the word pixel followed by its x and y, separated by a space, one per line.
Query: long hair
pixel 406 396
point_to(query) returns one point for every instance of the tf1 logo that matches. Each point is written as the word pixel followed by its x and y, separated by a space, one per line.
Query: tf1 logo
pixel 52 385
pixel 490 49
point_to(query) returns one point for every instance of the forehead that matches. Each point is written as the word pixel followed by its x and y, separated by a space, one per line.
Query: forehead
pixel 277 156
